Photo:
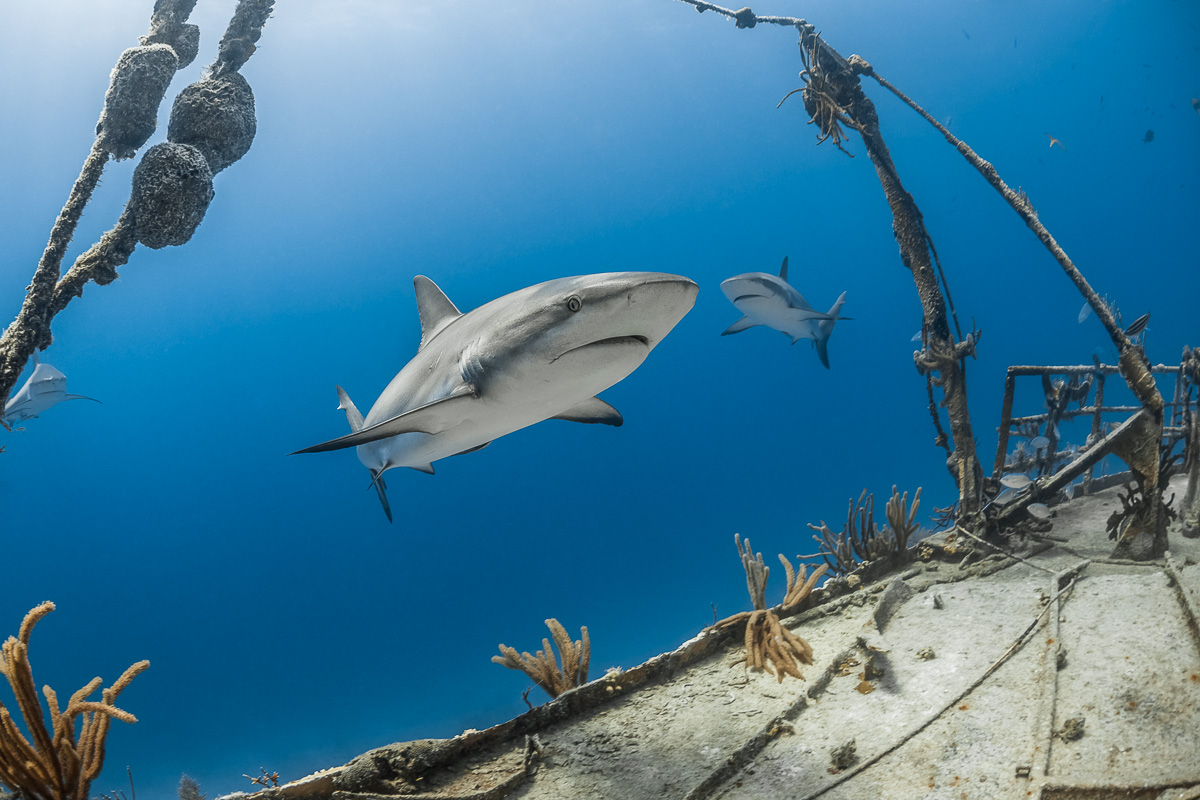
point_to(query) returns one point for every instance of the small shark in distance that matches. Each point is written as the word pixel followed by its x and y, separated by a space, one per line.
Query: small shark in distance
pixel 543 352
pixel 773 302
pixel 45 388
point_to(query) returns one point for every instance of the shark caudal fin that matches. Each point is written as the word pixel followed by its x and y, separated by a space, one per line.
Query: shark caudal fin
pixel 823 351
pixel 826 330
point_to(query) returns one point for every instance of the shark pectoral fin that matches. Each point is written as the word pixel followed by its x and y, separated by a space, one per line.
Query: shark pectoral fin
pixel 426 468
pixel 592 411
pixel 381 490
pixel 353 415
pixel 823 351
pixel 433 307
pixel 739 326
pixel 14 409
pixel 805 314
pixel 432 418
pixel 80 397
pixel 472 449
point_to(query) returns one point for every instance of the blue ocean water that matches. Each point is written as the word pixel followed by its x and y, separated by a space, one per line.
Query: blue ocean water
pixel 492 146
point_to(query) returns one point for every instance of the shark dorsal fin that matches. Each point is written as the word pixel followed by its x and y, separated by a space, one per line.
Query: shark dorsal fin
pixel 434 308
pixel 783 270
pixel 353 415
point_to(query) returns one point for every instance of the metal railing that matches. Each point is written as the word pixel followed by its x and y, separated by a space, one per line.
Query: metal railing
pixel 1062 387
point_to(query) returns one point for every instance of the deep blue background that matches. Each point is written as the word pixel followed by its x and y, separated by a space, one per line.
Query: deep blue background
pixel 492 146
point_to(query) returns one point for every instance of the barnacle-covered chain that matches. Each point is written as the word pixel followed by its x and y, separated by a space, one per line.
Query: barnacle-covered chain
pixel 212 125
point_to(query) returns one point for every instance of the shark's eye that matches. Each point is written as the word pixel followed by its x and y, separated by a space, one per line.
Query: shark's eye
pixel 574 303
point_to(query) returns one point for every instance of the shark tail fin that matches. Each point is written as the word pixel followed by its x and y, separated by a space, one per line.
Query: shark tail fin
pixel 739 326
pixel 823 351
pixel 381 490
pixel 826 329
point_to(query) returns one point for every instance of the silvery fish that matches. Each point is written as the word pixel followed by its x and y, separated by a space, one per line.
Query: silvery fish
pixel 1038 510
pixel 1016 481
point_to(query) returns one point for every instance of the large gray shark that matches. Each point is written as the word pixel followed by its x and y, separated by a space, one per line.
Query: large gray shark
pixel 771 301
pixel 46 387
pixel 543 352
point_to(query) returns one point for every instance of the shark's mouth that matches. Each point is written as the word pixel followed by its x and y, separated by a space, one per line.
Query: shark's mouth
pixel 615 341
pixel 642 340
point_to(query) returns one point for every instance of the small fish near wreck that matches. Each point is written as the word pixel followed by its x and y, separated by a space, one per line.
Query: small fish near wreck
pixel 773 302
pixel 543 352
pixel 45 388
pixel 1138 325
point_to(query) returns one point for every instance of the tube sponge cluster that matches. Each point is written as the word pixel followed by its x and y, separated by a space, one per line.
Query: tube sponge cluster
pixel 138 83
pixel 216 116
pixel 211 126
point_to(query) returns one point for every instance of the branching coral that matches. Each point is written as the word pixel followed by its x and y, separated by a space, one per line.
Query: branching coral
pixel 798 589
pixel 902 519
pixel 859 540
pixel 543 668
pixel 769 645
pixel 756 572
pixel 57 764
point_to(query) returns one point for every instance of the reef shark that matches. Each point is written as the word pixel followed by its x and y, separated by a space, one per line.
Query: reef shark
pixel 773 302
pixel 45 388
pixel 543 352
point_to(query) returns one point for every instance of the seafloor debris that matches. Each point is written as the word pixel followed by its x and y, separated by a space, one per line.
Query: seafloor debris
pixel 57 764
pixel 843 757
pixel 1071 730
pixel 543 668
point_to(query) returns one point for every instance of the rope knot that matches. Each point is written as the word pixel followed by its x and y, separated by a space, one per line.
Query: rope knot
pixel 859 65
pixel 744 18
